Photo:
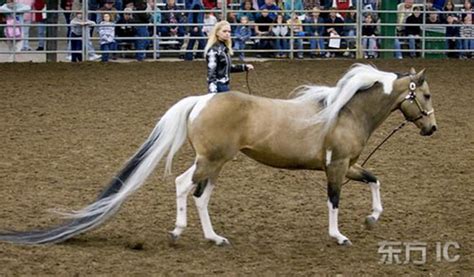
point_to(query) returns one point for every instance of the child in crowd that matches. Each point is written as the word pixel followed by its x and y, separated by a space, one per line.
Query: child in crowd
pixel 209 21
pixel 467 34
pixel 369 40
pixel 77 24
pixel 12 31
pixel 280 31
pixel 315 27
pixel 242 34
pixel 107 36
pixel 296 24
pixel 452 36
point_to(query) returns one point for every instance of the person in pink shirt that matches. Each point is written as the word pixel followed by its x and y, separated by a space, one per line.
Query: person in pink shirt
pixel 27 19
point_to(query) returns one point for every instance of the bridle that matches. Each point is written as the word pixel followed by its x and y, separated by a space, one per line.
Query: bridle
pixel 411 97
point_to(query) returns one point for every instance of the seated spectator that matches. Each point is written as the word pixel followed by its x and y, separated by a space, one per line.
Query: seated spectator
pixel 315 29
pixel 297 27
pixel 242 35
pixel 172 15
pixel 449 8
pixel 141 31
pixel 333 27
pixel 452 37
pixel 404 10
pixel 232 19
pixel 342 5
pixel 413 31
pixel 369 40
pixel 466 9
pixel 350 31
pixel 209 21
pixel 263 30
pixel 124 31
pixel 433 17
pixel 108 7
pixel 280 32
pixel 467 35
pixel 196 18
pixel 247 10
pixel 297 6
pixel 270 6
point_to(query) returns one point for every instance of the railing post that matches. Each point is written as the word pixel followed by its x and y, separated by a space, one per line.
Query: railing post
pixel 224 9
pixel 423 30
pixel 85 30
pixel 359 20
pixel 388 17
pixel 292 32
pixel 52 31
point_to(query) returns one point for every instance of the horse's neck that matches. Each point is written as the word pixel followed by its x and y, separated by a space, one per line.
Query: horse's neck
pixel 370 108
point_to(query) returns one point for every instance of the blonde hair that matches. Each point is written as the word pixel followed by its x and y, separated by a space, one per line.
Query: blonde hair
pixel 212 39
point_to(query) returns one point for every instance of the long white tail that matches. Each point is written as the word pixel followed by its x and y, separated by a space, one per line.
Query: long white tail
pixel 167 137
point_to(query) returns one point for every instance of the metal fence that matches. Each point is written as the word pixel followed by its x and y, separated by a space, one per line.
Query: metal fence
pixel 387 42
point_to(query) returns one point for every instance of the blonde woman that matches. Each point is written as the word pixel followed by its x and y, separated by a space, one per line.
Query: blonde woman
pixel 218 53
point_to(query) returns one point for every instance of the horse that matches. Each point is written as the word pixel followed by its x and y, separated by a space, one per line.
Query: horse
pixel 317 128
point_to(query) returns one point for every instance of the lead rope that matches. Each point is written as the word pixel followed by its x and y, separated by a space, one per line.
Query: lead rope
pixel 247 80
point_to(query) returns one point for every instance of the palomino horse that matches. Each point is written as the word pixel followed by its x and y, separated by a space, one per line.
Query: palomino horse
pixel 321 128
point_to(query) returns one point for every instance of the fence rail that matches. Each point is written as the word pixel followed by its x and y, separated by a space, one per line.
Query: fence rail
pixel 150 40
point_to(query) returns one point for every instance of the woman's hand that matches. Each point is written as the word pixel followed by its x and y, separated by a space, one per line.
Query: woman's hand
pixel 249 67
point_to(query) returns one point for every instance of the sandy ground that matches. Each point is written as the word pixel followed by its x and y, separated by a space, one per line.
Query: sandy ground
pixel 66 129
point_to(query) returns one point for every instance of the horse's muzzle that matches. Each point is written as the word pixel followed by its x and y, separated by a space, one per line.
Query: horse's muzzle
pixel 428 131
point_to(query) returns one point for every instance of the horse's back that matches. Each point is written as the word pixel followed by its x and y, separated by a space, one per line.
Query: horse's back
pixel 271 131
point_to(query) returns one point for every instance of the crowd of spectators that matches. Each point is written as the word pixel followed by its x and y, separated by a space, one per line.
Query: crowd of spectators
pixel 316 28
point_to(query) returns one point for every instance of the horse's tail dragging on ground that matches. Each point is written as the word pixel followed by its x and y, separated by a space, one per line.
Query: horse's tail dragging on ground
pixel 167 137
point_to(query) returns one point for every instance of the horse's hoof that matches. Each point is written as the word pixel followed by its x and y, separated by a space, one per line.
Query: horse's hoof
pixel 173 237
pixel 346 242
pixel 223 242
pixel 370 222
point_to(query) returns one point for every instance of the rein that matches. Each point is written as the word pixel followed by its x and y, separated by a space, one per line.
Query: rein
pixel 247 80
pixel 384 140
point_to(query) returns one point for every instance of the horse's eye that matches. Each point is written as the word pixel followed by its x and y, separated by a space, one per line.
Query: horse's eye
pixel 427 96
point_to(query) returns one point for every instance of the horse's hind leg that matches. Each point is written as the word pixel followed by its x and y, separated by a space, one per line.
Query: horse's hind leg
pixel 335 172
pixel 184 185
pixel 357 173
pixel 206 176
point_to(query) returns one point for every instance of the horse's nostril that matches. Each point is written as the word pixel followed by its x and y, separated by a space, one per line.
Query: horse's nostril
pixel 434 128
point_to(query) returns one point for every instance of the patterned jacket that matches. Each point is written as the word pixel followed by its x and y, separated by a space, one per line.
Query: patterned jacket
pixel 219 66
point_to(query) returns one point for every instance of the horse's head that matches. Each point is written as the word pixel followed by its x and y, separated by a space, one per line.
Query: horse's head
pixel 415 102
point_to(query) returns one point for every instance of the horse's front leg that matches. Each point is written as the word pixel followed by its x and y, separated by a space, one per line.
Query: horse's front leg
pixel 335 172
pixel 357 173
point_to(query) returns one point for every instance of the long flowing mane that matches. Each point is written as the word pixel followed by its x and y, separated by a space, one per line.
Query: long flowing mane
pixel 358 77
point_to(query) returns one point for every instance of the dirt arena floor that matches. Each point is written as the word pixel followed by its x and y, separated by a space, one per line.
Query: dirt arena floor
pixel 66 129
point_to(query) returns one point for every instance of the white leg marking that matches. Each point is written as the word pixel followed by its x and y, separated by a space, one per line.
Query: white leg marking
pixel 184 185
pixel 328 157
pixel 333 228
pixel 202 207
pixel 376 200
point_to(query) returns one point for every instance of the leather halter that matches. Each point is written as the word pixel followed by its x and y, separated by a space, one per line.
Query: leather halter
pixel 411 97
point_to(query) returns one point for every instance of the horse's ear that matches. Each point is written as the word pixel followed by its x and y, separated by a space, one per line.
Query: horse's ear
pixel 412 71
pixel 420 77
